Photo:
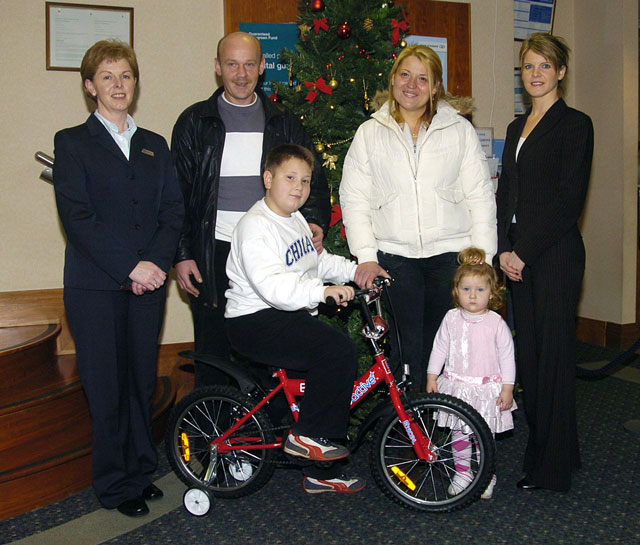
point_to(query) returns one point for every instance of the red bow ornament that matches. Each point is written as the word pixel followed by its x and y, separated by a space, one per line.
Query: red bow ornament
pixel 336 216
pixel 397 27
pixel 314 87
pixel 320 24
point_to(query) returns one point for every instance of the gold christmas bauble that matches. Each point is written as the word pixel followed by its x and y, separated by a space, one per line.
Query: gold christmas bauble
pixel 333 83
pixel 333 199
pixel 368 24
pixel 319 147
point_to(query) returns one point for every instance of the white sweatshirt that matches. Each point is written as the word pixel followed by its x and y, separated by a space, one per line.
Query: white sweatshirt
pixel 273 263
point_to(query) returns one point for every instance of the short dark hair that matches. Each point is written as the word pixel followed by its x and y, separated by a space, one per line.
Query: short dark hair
pixel 107 50
pixel 284 152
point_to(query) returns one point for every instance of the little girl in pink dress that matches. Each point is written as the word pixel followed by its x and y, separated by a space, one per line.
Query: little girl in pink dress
pixel 475 347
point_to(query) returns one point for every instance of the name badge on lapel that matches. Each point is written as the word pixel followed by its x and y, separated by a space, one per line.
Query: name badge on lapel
pixel 148 152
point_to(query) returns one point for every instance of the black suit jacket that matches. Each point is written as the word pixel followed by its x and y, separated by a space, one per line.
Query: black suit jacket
pixel 116 212
pixel 546 187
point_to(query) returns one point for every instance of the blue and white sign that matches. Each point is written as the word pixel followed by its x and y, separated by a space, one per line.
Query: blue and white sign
pixel 439 45
pixel 274 38
pixel 531 16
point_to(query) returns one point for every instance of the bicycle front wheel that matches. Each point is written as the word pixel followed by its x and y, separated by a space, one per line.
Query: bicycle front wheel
pixel 436 485
pixel 197 420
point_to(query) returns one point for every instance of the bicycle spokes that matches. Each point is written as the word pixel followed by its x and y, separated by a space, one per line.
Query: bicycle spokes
pixel 447 479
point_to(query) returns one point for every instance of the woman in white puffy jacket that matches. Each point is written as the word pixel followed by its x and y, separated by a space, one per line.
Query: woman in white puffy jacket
pixel 415 191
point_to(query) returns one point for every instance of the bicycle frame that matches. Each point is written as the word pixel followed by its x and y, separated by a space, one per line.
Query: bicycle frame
pixel 374 329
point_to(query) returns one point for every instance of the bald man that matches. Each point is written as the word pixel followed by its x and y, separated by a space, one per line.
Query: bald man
pixel 219 147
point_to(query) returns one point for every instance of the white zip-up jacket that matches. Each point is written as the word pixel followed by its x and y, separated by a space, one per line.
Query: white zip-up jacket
pixel 273 264
pixel 441 202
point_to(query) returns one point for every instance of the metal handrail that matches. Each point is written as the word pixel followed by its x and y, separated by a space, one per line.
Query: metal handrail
pixel 47 171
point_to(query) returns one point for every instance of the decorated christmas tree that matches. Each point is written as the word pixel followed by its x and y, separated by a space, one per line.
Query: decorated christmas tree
pixel 343 58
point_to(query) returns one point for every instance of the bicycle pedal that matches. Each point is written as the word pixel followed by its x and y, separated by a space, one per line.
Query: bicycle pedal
pixel 288 459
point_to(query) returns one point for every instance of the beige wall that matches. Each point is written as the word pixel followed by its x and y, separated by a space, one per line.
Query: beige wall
pixel 175 42
pixel 604 83
pixel 492 67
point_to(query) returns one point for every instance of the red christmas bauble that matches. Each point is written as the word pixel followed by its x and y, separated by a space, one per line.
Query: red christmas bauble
pixel 344 30
pixel 316 5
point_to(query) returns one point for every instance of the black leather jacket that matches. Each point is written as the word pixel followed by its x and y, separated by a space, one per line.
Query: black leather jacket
pixel 196 145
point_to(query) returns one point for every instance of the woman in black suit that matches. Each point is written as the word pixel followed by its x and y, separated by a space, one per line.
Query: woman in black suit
pixel 541 193
pixel 121 208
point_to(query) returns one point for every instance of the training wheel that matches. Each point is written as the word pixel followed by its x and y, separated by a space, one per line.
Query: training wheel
pixel 197 501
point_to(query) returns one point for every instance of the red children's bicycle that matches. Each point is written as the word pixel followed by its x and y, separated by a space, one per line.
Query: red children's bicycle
pixel 221 441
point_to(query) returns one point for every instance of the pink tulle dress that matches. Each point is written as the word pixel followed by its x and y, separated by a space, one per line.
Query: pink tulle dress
pixel 477 354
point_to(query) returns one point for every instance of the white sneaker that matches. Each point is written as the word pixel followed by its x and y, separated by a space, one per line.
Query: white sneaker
pixel 459 482
pixel 488 493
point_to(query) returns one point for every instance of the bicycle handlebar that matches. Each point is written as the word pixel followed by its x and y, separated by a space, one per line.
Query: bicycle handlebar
pixel 378 283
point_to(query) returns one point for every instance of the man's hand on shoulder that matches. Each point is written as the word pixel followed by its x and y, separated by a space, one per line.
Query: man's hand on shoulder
pixel 318 236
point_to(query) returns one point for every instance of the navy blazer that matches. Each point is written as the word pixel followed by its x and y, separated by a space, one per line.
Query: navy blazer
pixel 546 187
pixel 116 212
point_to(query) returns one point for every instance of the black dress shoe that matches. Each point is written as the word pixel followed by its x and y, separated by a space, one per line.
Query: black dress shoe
pixel 526 484
pixel 133 508
pixel 152 492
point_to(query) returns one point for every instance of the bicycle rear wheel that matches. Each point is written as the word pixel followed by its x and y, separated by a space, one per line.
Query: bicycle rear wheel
pixel 424 485
pixel 197 420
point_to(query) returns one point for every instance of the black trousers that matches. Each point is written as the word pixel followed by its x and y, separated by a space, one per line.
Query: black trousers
pixel 116 337
pixel 208 323
pixel 421 296
pixel 298 341
pixel 544 306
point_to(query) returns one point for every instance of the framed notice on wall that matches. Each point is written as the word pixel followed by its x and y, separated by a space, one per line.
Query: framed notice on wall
pixel 73 28
pixel 531 16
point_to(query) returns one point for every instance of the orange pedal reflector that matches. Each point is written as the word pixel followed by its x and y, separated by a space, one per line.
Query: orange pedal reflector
pixel 403 477
pixel 186 451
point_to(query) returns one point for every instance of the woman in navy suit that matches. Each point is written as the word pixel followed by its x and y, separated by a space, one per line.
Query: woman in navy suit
pixel 541 193
pixel 121 208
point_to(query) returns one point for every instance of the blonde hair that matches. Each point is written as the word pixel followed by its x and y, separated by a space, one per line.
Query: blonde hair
pixel 472 263
pixel 429 58
pixel 552 48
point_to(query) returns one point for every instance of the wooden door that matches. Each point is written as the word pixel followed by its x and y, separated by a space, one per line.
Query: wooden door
pixel 451 20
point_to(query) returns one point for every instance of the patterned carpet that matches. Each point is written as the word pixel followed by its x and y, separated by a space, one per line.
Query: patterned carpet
pixel 602 507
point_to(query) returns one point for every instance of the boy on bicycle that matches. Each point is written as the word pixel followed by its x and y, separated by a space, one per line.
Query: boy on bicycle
pixel 276 281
